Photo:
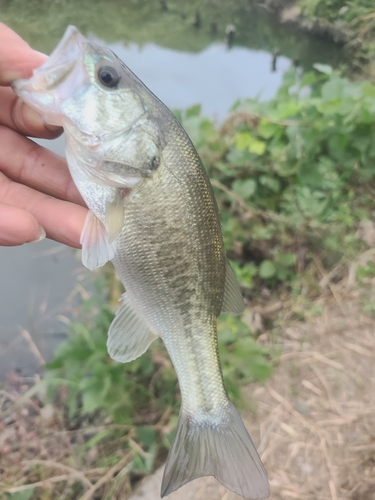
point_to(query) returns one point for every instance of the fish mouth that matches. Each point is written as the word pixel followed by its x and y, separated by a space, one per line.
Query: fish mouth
pixel 45 89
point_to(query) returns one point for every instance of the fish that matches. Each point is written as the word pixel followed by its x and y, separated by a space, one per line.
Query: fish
pixel 153 213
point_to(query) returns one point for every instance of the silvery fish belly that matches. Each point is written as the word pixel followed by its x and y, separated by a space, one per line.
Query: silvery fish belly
pixel 154 215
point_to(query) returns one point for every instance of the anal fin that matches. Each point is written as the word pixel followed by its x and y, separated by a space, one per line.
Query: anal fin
pixel 96 246
pixel 232 301
pixel 129 335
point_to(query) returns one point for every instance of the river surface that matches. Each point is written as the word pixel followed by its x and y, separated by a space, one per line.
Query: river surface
pixel 38 282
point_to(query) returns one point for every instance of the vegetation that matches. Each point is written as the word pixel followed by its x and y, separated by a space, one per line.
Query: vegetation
pixel 357 17
pixel 294 179
pixel 293 176
pixel 167 23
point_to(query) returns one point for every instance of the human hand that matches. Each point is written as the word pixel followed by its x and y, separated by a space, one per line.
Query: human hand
pixel 37 193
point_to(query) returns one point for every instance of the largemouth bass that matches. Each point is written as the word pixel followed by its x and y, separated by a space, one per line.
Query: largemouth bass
pixel 152 212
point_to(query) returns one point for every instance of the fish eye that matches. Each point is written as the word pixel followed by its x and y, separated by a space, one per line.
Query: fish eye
pixel 108 77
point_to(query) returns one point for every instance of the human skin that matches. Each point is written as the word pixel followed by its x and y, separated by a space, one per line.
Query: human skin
pixel 37 194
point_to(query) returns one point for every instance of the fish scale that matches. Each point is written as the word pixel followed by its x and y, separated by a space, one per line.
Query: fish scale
pixel 154 215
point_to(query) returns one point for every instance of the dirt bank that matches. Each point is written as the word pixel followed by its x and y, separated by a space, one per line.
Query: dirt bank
pixel 289 12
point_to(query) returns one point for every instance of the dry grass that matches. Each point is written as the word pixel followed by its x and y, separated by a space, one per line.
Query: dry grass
pixel 39 452
pixel 316 417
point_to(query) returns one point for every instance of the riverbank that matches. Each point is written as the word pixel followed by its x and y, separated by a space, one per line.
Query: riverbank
pixel 294 180
pixel 349 25
pixel 313 419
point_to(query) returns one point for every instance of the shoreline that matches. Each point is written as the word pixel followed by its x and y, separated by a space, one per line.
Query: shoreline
pixel 348 34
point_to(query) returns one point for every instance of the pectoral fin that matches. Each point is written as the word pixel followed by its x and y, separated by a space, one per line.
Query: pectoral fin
pixel 233 301
pixel 96 245
pixel 129 336
pixel 114 216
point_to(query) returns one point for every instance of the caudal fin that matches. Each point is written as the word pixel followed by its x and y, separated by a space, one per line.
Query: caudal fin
pixel 221 449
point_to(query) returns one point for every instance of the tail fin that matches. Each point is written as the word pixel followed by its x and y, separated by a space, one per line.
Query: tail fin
pixel 220 449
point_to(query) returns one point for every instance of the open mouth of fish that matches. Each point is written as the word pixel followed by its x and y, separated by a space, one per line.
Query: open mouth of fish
pixel 37 90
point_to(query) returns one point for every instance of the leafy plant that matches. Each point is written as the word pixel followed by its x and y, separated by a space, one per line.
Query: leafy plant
pixel 293 176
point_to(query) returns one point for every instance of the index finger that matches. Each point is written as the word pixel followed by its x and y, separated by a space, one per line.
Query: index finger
pixel 17 58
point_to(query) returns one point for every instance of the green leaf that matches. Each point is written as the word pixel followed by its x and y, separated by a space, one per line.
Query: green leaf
pixel 146 436
pixel 245 140
pixel 257 147
pixel 287 109
pixel 91 401
pixel 323 68
pixel 21 495
pixel 285 259
pixel 194 110
pixel 245 188
pixel 267 129
pixel 267 269
pixel 242 140
pixel 332 89
pixel 270 182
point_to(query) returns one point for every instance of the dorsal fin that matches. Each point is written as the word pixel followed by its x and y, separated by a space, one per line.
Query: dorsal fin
pixel 233 301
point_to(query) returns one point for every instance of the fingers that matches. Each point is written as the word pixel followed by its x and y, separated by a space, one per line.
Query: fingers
pixel 62 221
pixel 17 58
pixel 18 226
pixel 17 115
pixel 26 162
pixel 30 174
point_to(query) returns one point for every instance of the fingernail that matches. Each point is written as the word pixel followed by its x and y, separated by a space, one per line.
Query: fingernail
pixel 42 235
pixel 32 117
pixel 52 128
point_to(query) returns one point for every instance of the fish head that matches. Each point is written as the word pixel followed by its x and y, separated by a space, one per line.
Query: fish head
pixel 85 87
pixel 106 111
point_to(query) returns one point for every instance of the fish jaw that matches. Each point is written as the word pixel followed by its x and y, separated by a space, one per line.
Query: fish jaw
pixel 50 84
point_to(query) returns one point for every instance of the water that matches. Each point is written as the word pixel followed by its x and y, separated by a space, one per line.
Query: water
pixel 214 77
pixel 36 281
pixel 183 66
